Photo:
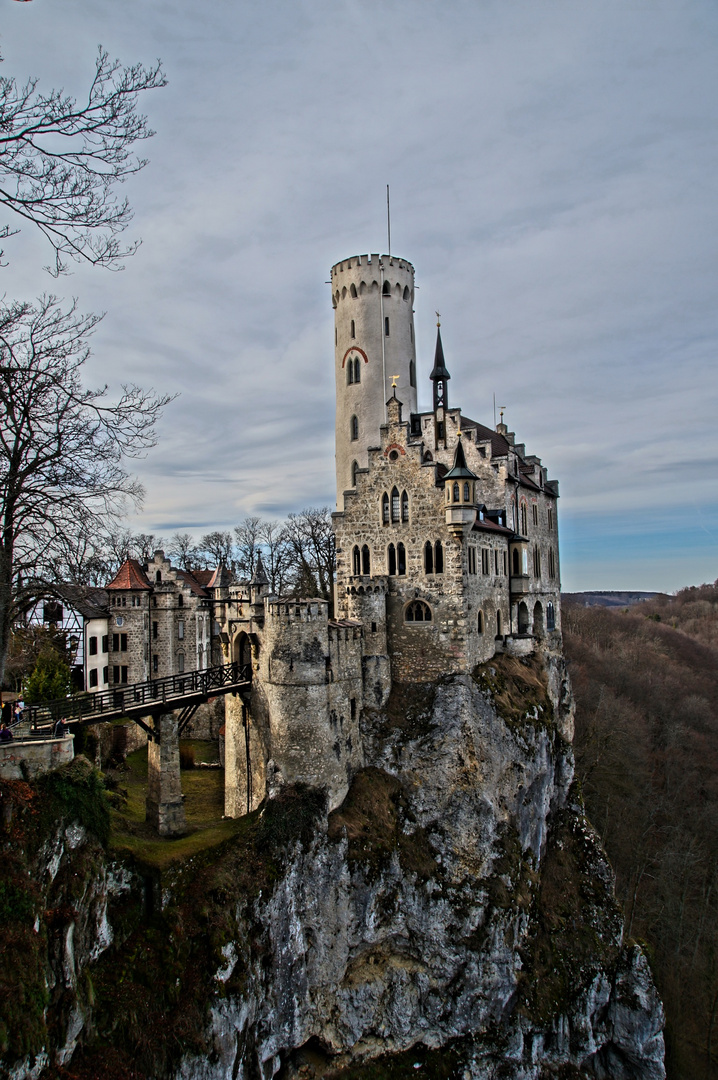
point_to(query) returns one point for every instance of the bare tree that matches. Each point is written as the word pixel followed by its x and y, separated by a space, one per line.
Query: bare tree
pixel 61 159
pixel 144 545
pixel 182 550
pixel 277 555
pixel 62 448
pixel 311 539
pixel 247 535
pixel 218 549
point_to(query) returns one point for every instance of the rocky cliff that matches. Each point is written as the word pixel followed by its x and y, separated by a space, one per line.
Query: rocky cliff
pixel 454 915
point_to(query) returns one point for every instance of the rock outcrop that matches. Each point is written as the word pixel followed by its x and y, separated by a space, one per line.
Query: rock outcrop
pixel 454 915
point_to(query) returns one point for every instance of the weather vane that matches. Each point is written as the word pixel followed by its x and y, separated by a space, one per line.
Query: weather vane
pixel 394 379
pixel 438 319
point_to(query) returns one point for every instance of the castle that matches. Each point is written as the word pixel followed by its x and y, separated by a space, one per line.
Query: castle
pixel 447 553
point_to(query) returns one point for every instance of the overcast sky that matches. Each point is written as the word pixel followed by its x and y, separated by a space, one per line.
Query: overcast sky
pixel 553 170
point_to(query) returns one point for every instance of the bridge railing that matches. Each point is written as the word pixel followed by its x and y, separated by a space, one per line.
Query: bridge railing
pixel 134 696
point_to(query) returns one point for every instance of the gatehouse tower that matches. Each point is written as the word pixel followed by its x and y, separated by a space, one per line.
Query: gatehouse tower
pixel 373 299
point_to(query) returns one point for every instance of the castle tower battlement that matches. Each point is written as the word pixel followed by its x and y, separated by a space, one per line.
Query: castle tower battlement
pixel 374 341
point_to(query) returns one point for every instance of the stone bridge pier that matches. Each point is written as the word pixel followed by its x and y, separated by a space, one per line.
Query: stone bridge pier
pixel 164 807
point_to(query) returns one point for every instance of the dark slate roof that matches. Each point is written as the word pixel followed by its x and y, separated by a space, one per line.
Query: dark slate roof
pixel 130 576
pixel 260 575
pixel 460 470
pixel 439 370
pixel 88 600
pixel 499 445
pixel 222 578
pixel 490 526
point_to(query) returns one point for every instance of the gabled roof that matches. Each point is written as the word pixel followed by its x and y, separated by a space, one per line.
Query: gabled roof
pixel 491 526
pixel 202 577
pixel 499 445
pixel 130 576
pixel 222 578
pixel 190 579
pixel 88 600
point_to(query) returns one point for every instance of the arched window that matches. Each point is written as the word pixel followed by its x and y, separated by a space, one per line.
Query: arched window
pixel 357 369
pixel 538 620
pixel 498 623
pixel 354 426
pixel 412 373
pixel 387 289
pixel 551 563
pixel 550 617
pixel 353 292
pixel 386 326
pixel 404 506
pixel 407 294
pixel 365 561
pixel 428 456
pixel 438 558
pixel 523 617
pixel 456 492
pixel 355 470
pixel 395 510
pixel 467 494
pixel 537 562
pixel 428 557
pixel 158 575
pixel 353 329
pixel 515 562
pixel 356 562
pixel 401 559
pixel 385 509
pixel 524 520
pixel 350 372
pixel 480 622
pixel 391 560
pixel 417 611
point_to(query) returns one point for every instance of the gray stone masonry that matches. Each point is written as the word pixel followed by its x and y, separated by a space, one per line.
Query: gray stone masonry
pixel 165 809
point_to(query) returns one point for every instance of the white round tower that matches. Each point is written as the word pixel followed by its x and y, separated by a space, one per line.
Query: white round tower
pixel 373 299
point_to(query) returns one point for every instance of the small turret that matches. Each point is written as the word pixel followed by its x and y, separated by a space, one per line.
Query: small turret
pixel 460 490
pixel 440 377
pixel 258 588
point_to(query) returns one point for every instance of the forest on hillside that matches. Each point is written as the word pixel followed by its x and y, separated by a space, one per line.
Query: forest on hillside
pixel 646 685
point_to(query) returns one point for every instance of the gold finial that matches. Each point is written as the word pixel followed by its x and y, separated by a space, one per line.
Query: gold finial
pixel 502 409
pixel 438 319
pixel 394 381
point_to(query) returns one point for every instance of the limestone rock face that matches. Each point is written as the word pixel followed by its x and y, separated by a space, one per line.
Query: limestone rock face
pixel 458 899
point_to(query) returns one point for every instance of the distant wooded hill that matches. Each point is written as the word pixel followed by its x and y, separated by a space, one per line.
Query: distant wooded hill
pixel 646 684
pixel 608 598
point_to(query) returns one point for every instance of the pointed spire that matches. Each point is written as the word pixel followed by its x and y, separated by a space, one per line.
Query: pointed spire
pixel 439 370
pixel 460 470
pixel 260 574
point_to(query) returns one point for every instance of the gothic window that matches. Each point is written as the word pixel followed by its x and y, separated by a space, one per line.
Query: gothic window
pixel 456 492
pixel 467 496
pixel 357 369
pixel 404 506
pixel 387 289
pixel 515 561
pixel 438 558
pixel 428 557
pixel 412 373
pixel 551 564
pixel 385 509
pixel 356 564
pixel 537 562
pixel 549 513
pixel 401 559
pixel 550 617
pixel 480 622
pixel 353 330
pixel 392 560
pixel 395 505
pixel 350 371
pixel 365 561
pixel 386 326
pixel 418 611
pixel 355 470
pixel 524 521
pixel 353 292
pixel 354 425
pixel 534 513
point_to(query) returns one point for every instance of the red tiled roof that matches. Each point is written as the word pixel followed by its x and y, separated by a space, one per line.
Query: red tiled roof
pixel 191 580
pixel 130 576
pixel 202 577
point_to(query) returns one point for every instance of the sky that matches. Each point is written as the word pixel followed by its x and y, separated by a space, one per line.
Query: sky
pixel 553 168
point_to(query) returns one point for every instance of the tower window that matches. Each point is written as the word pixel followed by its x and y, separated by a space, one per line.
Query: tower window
pixel 357 370
pixel 401 559
pixel 438 558
pixel 418 611
pixel 356 562
pixel 391 560
pixel 355 470
pixel 537 562
pixel 385 509
pixel 350 372
pixel 404 507
pixel 428 557
pixel 353 292
pixel 354 427
pixel 353 329
pixel 365 561
pixel 550 617
pixel 467 494
pixel 394 505
pixel 550 518
pixel 412 373
pixel 386 326
pixel 480 623
pixel 456 492
pixel 498 624
pixel 387 289
pixel 524 520
pixel 551 564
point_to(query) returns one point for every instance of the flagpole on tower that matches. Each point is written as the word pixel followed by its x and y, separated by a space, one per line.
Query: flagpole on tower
pixel 388 221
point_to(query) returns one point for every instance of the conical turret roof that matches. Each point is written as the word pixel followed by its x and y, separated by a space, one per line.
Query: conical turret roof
pixel 439 370
pixel 460 470
pixel 260 574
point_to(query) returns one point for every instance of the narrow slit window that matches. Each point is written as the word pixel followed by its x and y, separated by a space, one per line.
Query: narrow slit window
pixel 404 507
pixel 353 329
pixel 356 565
pixel 365 560
pixel 438 558
pixel 385 509
pixel 386 326
pixel 395 505
pixel 401 559
pixel 428 557
pixel 392 560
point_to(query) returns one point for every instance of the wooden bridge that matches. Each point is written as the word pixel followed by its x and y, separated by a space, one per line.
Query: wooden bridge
pixel 137 701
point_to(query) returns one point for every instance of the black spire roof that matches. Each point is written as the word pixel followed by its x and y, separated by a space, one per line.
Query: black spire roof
pixel 439 370
pixel 260 574
pixel 460 470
